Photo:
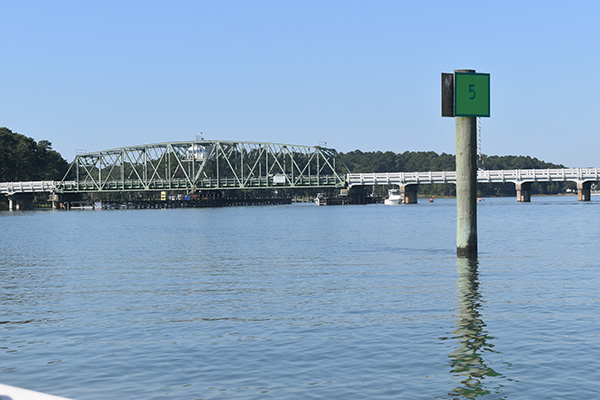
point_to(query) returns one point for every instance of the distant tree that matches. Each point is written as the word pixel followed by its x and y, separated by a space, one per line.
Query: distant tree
pixel 22 159
pixel 516 162
pixel 51 165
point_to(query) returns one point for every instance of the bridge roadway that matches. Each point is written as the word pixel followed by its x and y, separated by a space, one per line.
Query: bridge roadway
pixel 10 188
pixel 522 178
pixel 407 181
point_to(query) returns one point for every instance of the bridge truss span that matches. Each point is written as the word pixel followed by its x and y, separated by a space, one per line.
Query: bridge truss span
pixel 204 165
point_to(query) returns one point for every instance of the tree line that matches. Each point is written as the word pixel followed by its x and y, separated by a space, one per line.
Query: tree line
pixel 24 159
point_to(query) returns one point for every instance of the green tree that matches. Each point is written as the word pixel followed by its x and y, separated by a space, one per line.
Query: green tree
pixel 22 159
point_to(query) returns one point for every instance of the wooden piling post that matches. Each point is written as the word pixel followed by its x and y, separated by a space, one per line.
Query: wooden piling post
pixel 466 96
pixel 466 185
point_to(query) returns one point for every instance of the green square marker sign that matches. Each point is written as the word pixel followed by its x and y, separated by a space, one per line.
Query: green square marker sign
pixel 471 94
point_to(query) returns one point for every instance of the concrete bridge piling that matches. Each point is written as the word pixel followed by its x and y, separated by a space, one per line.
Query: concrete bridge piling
pixel 20 201
pixel 584 191
pixel 523 192
pixel 409 193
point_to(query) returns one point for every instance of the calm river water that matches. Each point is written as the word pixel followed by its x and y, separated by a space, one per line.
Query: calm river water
pixel 303 302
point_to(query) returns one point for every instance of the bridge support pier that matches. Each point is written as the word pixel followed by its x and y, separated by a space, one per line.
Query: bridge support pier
pixel 20 201
pixel 358 194
pixel 409 193
pixel 584 191
pixel 55 200
pixel 523 192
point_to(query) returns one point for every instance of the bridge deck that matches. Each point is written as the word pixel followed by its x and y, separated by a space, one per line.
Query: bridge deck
pixel 517 176
pixel 483 176
pixel 27 187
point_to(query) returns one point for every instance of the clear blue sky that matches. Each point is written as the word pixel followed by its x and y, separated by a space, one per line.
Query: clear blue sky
pixel 355 74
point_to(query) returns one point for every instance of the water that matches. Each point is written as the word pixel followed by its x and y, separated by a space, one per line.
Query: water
pixel 303 302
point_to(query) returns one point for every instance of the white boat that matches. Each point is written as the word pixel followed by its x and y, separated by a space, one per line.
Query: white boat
pixel 80 205
pixel 394 198
pixel 320 200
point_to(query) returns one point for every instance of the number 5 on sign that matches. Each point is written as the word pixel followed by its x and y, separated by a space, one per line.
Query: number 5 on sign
pixel 471 94
pixel 472 90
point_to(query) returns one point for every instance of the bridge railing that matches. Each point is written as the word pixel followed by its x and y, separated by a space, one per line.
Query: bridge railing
pixel 27 187
pixel 579 175
pixel 200 184
pixel 539 175
pixel 483 176
pixel 401 178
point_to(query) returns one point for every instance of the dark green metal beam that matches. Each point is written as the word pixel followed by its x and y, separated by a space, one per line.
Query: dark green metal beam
pixel 205 165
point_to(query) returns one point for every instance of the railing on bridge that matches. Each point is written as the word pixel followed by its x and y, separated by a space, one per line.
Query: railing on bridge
pixel 522 178
pixel 89 183
pixel 190 167
pixel 10 188
pixel 205 165
pixel 516 176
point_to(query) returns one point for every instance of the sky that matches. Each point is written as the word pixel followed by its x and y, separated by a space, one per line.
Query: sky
pixel 366 75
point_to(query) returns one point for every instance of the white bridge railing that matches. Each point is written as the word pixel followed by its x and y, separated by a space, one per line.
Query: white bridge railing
pixel 516 176
pixel 483 176
pixel 27 187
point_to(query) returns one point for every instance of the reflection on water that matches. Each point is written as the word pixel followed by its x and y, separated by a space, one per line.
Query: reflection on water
pixel 467 361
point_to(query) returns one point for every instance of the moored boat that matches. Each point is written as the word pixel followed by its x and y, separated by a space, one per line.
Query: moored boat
pixel 320 200
pixel 394 198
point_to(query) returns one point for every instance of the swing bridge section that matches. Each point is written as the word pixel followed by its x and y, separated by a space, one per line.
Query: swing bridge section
pixel 204 165
pixel 235 170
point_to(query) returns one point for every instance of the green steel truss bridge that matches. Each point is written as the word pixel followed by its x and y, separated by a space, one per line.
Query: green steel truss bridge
pixel 204 165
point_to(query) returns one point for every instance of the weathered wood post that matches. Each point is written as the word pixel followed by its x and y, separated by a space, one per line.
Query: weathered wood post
pixel 466 185
pixel 466 96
